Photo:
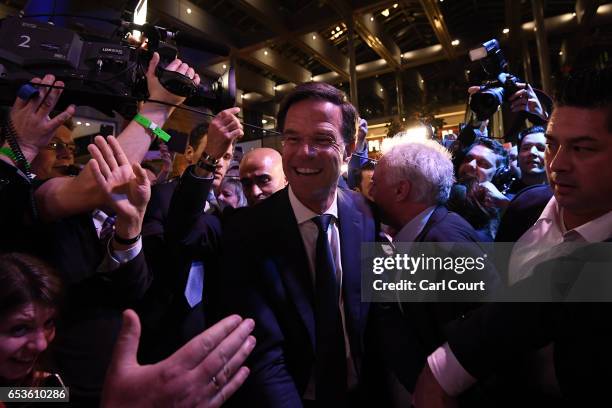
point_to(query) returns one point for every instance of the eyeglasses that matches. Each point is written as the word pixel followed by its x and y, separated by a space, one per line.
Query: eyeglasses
pixel 71 147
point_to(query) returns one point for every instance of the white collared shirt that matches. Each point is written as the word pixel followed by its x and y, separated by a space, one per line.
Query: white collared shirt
pixel 114 258
pixel 310 232
pixel 543 241
pixel 535 246
pixel 414 227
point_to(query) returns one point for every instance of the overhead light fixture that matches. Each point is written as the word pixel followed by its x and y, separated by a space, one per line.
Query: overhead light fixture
pixel 265 52
pixel 264 121
pixel 506 30
pixel 224 66
pixel 188 11
pixel 314 37
pixel 385 12
pixel 87 124
pixel 403 119
pixel 560 52
pixel 381 89
pixel 371 18
pixel 337 28
pixel 333 31
pixel 574 14
pixel 276 87
pixel 79 123
pixel 422 81
pixel 394 5
pixel 455 43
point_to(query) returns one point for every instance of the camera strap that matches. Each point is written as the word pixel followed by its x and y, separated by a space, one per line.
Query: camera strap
pixel 152 126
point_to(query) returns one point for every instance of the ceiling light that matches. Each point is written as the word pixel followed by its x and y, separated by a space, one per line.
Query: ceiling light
pixel 381 89
pixel 385 12
pixel 264 121
pixel 265 52
pixel 224 66
pixel 188 11
pixel 87 124
pixel 506 30
pixel 455 43
pixel 337 28
pixel 560 52
pixel 333 31
pixel 403 119
pixel 371 18
pixel 573 14
pixel 79 123
pixel 394 5
pixel 314 37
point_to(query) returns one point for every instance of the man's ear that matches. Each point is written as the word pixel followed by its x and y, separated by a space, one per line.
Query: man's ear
pixel 402 190
pixel 348 151
pixel 189 152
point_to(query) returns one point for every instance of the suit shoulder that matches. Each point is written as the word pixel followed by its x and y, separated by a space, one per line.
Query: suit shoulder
pixel 531 197
pixel 451 228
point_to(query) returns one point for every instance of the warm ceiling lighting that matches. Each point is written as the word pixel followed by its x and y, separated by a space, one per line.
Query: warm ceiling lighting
pixel 333 32
pixel 560 52
pixel 265 52
pixel 314 37
pixel 395 5
pixel 381 89
pixel 506 30
pixel 371 18
pixel 188 11
pixel 455 43
pixel 573 14
pixel 385 12
pixel 264 121
pixel 224 66
pixel 337 28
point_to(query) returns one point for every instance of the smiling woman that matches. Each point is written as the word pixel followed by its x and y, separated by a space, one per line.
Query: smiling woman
pixel 29 293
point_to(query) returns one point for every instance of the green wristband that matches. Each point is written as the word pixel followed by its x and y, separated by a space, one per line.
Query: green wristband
pixel 6 151
pixel 152 126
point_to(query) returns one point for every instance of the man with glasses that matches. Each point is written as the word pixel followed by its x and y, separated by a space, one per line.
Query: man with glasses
pixel 261 174
pixel 57 158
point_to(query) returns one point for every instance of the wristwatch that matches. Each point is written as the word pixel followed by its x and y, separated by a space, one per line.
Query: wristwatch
pixel 207 162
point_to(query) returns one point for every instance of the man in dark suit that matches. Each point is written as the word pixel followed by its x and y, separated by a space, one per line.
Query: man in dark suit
pixel 173 312
pixel 410 186
pixel 577 164
pixel 298 271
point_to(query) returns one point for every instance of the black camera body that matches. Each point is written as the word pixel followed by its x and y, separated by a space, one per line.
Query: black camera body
pixel 498 83
pixel 106 75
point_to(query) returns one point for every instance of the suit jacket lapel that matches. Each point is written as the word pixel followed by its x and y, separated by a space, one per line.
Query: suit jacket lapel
pixel 293 264
pixel 351 236
pixel 438 214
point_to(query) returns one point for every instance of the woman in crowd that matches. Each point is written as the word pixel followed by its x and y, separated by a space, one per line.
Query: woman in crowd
pixel 29 298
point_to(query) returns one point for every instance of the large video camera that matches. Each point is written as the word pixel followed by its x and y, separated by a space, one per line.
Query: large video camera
pixel 497 85
pixel 108 75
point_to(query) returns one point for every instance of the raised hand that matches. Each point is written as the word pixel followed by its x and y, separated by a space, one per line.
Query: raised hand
pixel 223 130
pixel 526 100
pixel 157 91
pixel 125 186
pixel 203 373
pixel 31 118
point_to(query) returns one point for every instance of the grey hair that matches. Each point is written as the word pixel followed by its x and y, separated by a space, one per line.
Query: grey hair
pixel 428 167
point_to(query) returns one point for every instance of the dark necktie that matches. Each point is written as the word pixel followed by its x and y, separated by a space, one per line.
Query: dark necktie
pixel 330 358
pixel 108 226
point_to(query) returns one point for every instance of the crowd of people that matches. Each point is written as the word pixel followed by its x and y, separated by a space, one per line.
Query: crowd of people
pixel 243 286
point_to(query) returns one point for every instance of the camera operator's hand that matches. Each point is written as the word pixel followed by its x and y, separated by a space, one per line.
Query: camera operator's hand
pixel 222 131
pixel 526 100
pixel 492 197
pixel 157 91
pixel 126 187
pixel 31 118
pixel 204 372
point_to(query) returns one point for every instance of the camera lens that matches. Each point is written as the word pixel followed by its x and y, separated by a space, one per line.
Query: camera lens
pixel 486 103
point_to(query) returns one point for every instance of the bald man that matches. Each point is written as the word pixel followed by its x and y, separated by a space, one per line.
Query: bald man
pixel 261 174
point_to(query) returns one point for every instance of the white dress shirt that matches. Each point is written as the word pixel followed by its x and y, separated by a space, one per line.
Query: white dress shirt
pixel 540 243
pixel 310 232
pixel 114 258
pixel 414 227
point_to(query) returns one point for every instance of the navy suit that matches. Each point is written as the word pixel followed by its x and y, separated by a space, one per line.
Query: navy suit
pixel 267 278
pixel 522 212
pixel 413 330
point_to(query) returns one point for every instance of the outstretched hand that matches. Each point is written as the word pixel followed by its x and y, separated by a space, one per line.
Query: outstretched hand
pixel 203 373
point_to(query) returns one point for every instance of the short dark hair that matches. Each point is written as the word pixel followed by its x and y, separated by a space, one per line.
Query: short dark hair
pixel 367 166
pixel 529 131
pixel 197 133
pixel 495 146
pixel 326 92
pixel 25 279
pixel 589 89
